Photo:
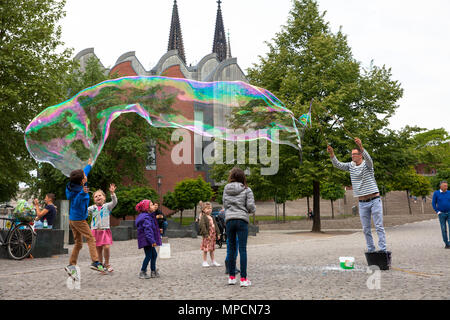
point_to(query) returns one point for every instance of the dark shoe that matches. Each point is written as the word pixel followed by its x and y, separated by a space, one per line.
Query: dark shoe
pixel 143 275
pixel 154 274
pixel 97 266
pixel 447 246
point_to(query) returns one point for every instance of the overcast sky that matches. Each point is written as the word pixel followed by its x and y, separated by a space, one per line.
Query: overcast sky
pixel 409 36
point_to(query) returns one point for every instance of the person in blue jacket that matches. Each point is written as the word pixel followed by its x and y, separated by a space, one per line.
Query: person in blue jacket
pixel 441 204
pixel 78 194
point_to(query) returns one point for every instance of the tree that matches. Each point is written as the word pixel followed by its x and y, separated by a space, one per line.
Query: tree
pixel 32 64
pixel 187 194
pixel 307 61
pixel 332 191
pixel 128 198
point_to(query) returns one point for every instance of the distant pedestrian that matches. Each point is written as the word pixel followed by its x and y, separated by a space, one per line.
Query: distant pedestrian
pixel 441 204
pixel 148 237
pixel 238 202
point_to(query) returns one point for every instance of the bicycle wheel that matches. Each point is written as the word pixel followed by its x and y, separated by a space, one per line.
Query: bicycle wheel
pixel 21 241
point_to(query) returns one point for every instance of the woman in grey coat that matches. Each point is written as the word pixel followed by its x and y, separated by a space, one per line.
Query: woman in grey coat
pixel 238 202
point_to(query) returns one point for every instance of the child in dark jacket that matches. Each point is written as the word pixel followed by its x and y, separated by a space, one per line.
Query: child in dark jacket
pixel 148 237
pixel 78 194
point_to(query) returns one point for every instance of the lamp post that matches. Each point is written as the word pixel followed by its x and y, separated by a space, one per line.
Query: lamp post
pixel 159 183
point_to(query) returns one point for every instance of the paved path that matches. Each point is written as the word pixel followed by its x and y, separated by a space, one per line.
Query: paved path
pixel 285 265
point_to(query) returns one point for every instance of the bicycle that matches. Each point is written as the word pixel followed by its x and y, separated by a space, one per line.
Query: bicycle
pixel 20 239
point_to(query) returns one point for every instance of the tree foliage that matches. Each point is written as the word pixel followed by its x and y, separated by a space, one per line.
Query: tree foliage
pixel 128 198
pixel 187 194
pixel 306 61
pixel 32 66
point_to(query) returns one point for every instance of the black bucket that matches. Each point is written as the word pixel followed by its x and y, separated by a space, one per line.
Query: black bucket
pixel 382 259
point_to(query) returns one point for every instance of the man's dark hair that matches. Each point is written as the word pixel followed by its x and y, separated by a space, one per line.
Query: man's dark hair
pixel 357 148
pixel 237 175
pixel 77 176
pixel 51 196
pixel 443 181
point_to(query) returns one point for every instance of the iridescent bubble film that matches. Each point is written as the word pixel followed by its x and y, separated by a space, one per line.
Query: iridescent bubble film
pixel 68 134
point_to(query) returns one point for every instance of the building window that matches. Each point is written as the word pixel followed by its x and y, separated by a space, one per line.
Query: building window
pixel 151 157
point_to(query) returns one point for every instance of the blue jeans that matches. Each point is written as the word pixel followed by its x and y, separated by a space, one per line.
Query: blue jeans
pixel 443 218
pixel 150 256
pixel 164 227
pixel 39 225
pixel 227 259
pixel 372 209
pixel 237 231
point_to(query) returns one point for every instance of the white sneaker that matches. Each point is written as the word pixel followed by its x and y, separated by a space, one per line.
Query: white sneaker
pixel 231 280
pixel 205 264
pixel 215 264
pixel 245 282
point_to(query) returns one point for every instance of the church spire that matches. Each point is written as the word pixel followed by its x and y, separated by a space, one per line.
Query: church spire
pixel 220 41
pixel 229 45
pixel 175 37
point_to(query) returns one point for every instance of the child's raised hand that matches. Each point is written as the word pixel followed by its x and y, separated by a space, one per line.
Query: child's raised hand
pixel 90 161
pixel 112 188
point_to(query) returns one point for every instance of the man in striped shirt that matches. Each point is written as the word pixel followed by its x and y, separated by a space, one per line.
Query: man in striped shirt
pixel 366 189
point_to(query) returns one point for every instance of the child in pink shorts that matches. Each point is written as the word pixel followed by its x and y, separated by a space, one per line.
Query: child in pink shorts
pixel 100 225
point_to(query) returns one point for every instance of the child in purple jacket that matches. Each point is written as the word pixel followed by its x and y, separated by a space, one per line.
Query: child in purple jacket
pixel 148 237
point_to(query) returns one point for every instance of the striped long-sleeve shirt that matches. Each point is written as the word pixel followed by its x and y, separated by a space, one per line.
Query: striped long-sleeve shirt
pixel 362 176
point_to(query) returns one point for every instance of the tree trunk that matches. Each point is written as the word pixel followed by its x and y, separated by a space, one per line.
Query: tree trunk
pixel 409 202
pixel 284 211
pixel 332 210
pixel 276 208
pixel 195 212
pixel 307 203
pixel 423 212
pixel 316 207
pixel 181 217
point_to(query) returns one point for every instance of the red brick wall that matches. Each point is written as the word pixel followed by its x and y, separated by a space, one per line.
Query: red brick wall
pixel 123 69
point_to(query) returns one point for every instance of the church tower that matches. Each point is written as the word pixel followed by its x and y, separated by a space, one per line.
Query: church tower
pixel 220 41
pixel 175 37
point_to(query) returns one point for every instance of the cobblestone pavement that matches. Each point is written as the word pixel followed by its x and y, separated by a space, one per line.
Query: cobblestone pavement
pixel 285 265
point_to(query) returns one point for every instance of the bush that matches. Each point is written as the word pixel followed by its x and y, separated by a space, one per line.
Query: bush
pixel 127 199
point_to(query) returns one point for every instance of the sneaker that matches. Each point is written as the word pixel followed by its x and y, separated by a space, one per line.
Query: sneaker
pixel 215 264
pixel 447 246
pixel 72 271
pixel 97 266
pixel 245 282
pixel 154 274
pixel 205 264
pixel 143 275
pixel 232 280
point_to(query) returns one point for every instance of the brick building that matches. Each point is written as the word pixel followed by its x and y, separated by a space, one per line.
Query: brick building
pixel 162 174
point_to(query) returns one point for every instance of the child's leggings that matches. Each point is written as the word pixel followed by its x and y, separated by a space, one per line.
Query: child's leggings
pixel 150 256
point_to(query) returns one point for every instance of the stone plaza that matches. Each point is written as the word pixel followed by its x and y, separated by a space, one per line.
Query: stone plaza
pixel 282 264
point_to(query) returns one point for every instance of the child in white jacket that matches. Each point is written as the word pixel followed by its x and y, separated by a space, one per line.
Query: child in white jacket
pixel 100 224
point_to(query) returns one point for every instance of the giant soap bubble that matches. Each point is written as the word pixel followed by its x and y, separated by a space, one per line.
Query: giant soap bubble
pixel 68 134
